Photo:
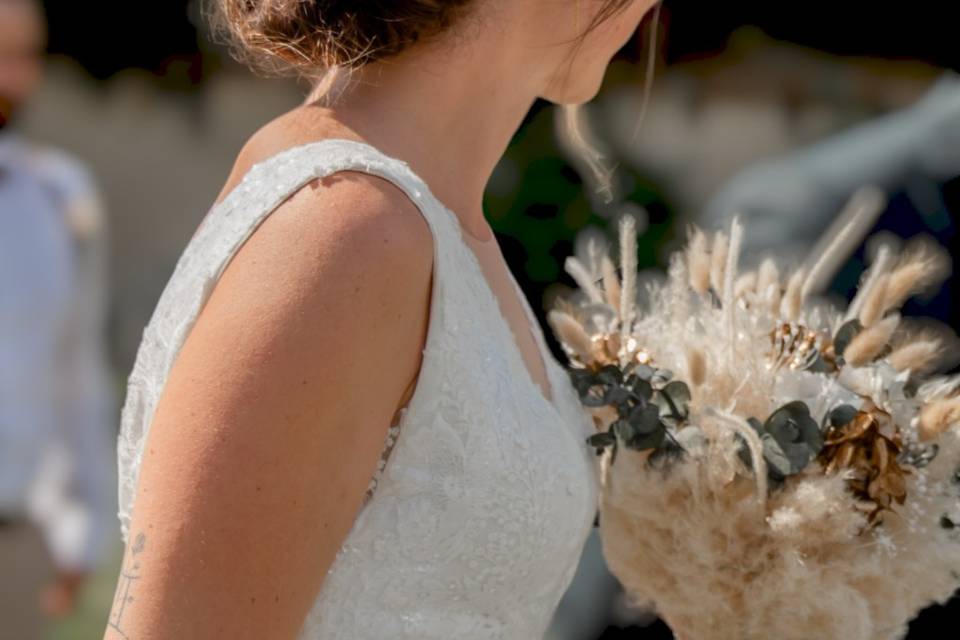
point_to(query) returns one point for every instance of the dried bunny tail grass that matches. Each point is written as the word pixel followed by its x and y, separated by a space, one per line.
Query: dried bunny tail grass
pixel 871 342
pixel 595 253
pixel 732 267
pixel 584 279
pixel 571 334
pixel 730 274
pixel 872 278
pixel 696 366
pixel 792 303
pixel 873 304
pixel 628 267
pixel 937 417
pixel 939 388
pixel 746 285
pixel 611 282
pixel 718 261
pixel 918 356
pixel 698 261
pixel 921 266
pixel 567 306
pixel 676 293
pixel 769 287
pixel 768 275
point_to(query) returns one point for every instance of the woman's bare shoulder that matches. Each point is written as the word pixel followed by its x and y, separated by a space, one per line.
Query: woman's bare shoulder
pixel 291 129
pixel 273 417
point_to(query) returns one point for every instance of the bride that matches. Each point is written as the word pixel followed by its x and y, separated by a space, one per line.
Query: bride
pixel 343 420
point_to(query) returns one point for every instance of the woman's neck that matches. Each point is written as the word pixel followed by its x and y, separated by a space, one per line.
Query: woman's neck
pixel 449 112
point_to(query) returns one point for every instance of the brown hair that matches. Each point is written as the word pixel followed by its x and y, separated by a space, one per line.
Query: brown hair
pixel 309 37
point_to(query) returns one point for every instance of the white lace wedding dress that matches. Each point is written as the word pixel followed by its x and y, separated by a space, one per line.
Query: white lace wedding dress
pixel 487 491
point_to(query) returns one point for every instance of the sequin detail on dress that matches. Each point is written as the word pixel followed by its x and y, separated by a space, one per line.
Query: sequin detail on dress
pixel 486 491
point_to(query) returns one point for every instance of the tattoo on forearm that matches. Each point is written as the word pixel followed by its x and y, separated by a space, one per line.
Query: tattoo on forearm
pixel 128 576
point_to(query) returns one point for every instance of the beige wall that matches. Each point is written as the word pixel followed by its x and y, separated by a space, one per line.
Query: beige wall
pixel 160 158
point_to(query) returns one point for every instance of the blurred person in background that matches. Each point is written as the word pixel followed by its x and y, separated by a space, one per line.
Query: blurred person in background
pixel 57 471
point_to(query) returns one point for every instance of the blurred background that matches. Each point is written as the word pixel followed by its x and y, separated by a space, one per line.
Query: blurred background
pixel 778 112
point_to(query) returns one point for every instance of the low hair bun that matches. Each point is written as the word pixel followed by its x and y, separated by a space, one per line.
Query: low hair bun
pixel 308 37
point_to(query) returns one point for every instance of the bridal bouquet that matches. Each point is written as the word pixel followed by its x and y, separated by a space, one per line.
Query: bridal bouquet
pixel 771 467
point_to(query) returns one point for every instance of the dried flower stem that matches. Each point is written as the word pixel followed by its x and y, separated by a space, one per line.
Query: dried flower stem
pixel 628 266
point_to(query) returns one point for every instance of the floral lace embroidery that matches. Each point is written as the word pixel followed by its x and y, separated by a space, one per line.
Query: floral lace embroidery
pixel 475 519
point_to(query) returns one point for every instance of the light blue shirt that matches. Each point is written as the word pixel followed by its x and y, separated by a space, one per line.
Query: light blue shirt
pixel 57 407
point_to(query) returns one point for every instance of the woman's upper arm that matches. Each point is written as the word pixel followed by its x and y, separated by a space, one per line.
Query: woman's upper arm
pixel 274 416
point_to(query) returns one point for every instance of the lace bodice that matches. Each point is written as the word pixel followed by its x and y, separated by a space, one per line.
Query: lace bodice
pixel 487 491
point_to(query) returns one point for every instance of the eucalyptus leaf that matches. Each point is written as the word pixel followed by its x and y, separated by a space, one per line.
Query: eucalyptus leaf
pixel 743 451
pixel 665 456
pixel 649 441
pixel 843 415
pixel 797 409
pixel 582 380
pixel 679 394
pixel 616 395
pixel 782 427
pixel 645 372
pixel 610 374
pixel 777 461
pixel 601 440
pixel 811 435
pixel 593 400
pixel 799 455
pixel 785 423
pixel 625 430
pixel 642 388
pixel 645 418
pixel 820 366
pixel 662 376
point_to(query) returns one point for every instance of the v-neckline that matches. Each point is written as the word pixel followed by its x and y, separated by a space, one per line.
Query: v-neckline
pixel 533 326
